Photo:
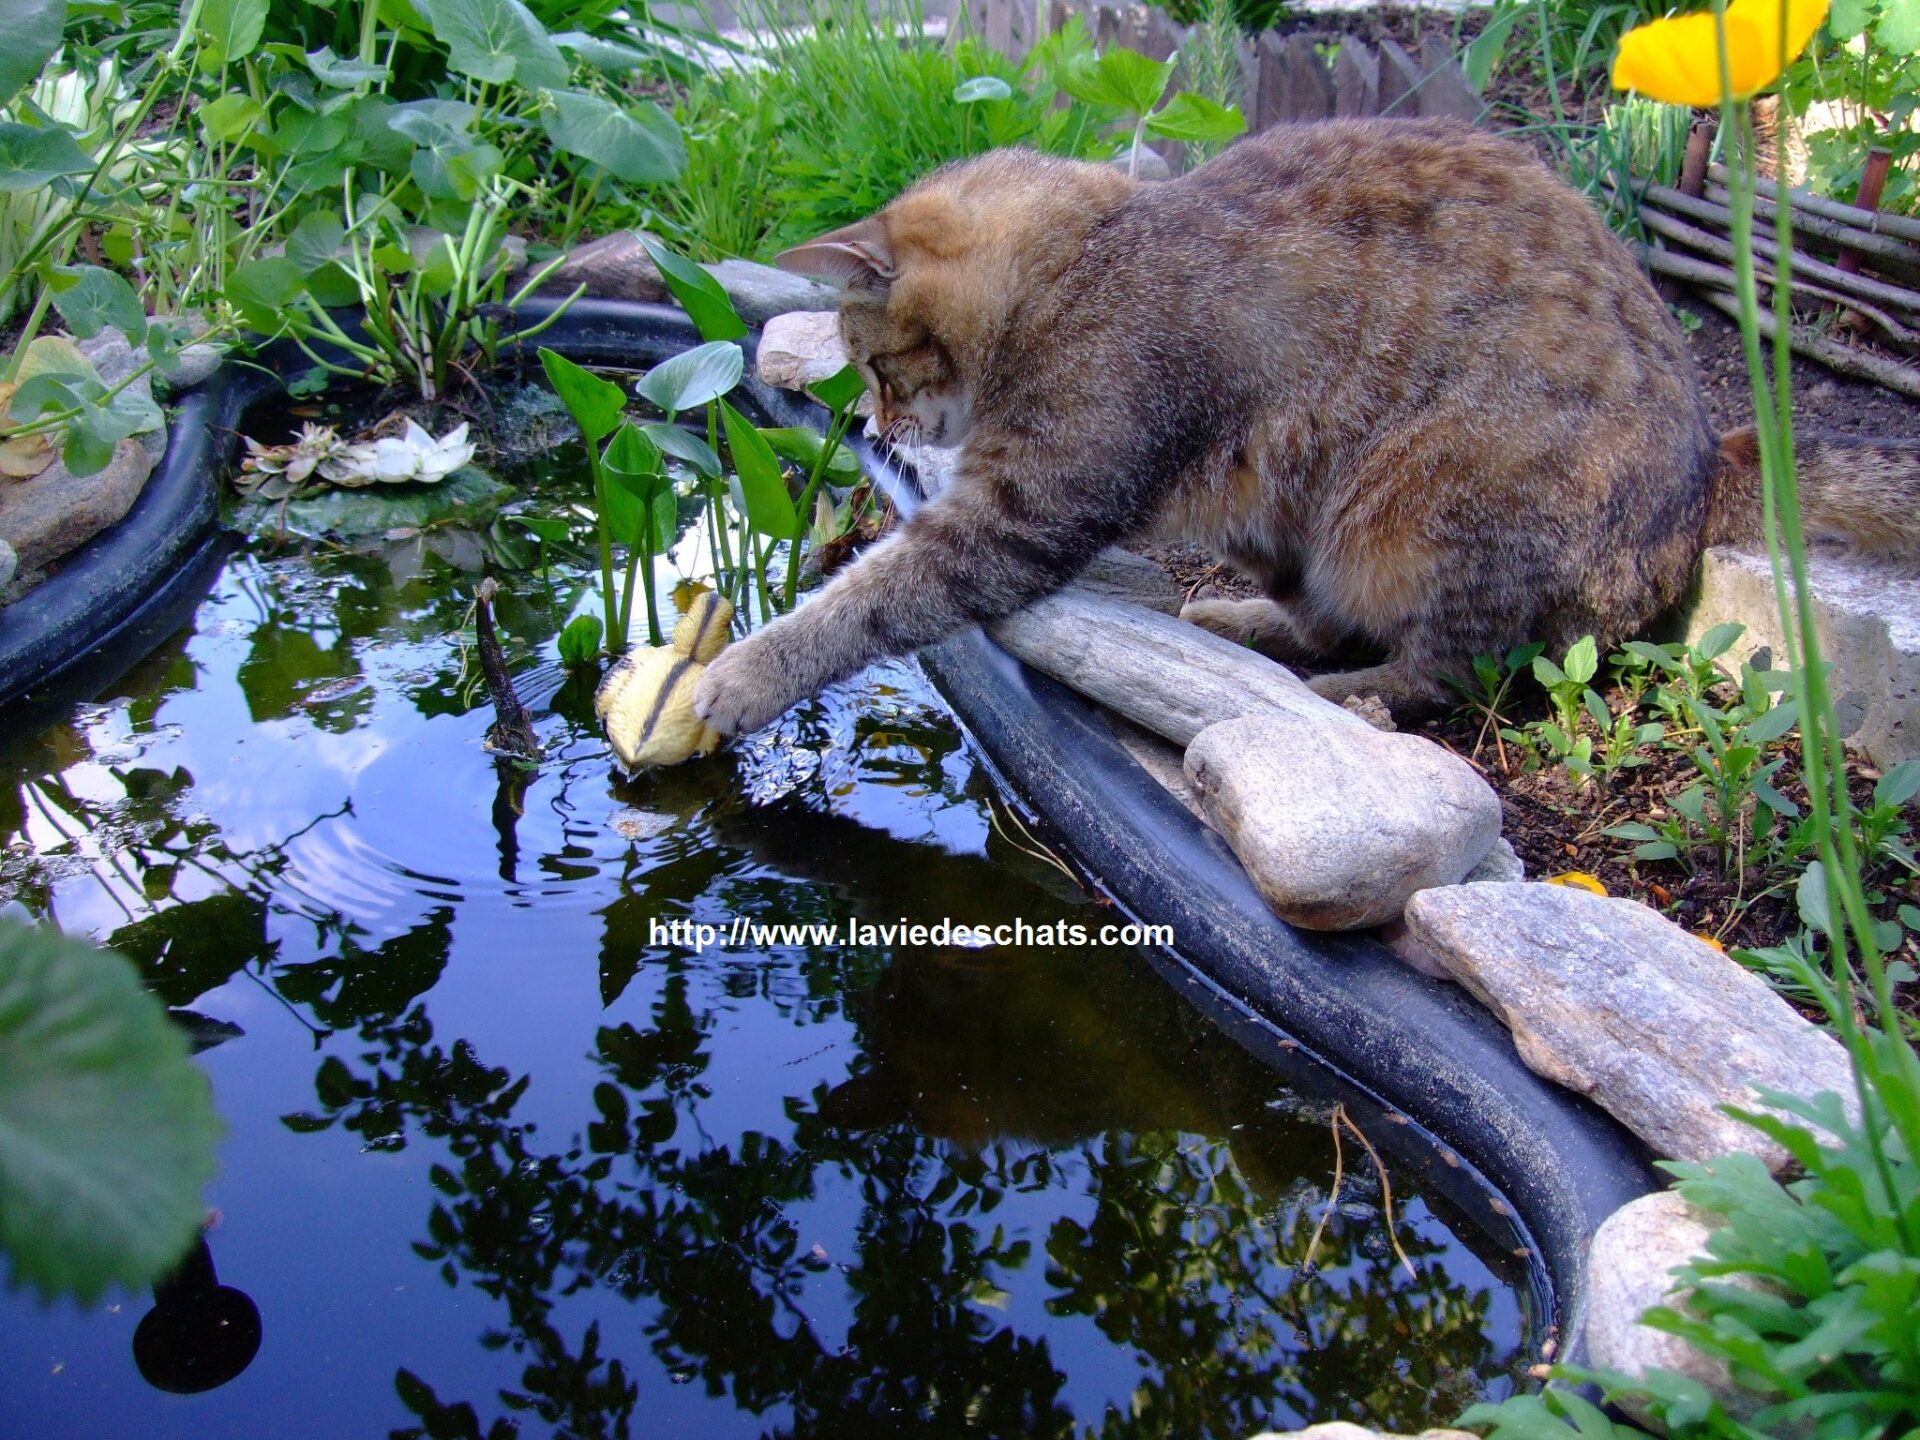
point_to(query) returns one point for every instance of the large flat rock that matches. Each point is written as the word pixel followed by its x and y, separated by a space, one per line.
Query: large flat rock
pixel 57 511
pixel 1867 618
pixel 1629 1269
pixel 1616 1002
pixel 1337 824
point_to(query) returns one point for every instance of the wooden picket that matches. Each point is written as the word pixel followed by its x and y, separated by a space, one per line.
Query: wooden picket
pixel 1285 79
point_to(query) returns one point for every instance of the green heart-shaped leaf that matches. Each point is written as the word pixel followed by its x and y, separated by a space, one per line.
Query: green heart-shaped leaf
pixel 694 377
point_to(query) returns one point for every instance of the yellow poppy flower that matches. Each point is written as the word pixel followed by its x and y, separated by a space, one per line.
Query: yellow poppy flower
pixel 1677 59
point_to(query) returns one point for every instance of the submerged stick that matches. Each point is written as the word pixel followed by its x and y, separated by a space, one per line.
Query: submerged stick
pixel 511 734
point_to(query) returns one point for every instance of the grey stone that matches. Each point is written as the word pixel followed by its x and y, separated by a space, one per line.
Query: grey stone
pixel 1117 574
pixel 1337 823
pixel 1501 864
pixel 1629 1272
pixel 760 292
pixel 1618 1003
pixel 9 565
pixel 1867 615
pixel 614 267
pixel 194 365
pixel 57 511
pixel 801 348
pixel 617 267
pixel 1153 165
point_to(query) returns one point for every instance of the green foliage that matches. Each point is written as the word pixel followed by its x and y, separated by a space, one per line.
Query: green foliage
pixel 848 113
pixel 107 1130
pixel 32 28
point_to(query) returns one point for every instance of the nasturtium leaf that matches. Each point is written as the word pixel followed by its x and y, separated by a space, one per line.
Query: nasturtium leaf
pixel 90 299
pixel 697 292
pixel 693 377
pixel 262 289
pixel 230 117
pixel 456 169
pixel 1194 117
pixel 981 87
pixel 316 240
pixel 640 145
pixel 839 390
pixel 682 445
pixel 1123 79
pixel 497 41
pixel 107 1130
pixel 342 74
pixel 432 122
pixel 32 28
pixel 30 158
pixel 595 404
pixel 609 57
pixel 230 30
pixel 763 489
pixel 802 445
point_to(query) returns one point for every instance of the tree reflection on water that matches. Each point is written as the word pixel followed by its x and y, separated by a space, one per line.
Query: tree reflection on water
pixel 1060 1201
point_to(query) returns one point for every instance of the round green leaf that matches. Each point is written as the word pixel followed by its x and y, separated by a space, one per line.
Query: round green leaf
pixel 107 1130
pixel 641 146
pixel 90 299
pixel 30 158
pixel 497 41
pixel 32 28
pixel 230 30
pixel 694 377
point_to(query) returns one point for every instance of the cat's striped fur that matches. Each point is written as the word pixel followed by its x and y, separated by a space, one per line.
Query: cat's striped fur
pixel 1396 371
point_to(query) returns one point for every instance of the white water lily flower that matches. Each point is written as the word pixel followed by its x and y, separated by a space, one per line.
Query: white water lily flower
pixel 414 456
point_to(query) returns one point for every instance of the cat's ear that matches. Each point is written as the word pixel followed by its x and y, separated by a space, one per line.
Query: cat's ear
pixel 853 255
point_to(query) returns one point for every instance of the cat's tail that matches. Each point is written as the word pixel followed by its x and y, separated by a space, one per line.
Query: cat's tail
pixel 1865 492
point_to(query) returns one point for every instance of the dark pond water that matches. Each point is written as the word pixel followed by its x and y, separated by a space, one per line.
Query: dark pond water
pixel 502 1160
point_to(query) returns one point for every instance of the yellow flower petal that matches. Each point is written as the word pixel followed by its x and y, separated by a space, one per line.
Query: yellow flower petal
pixel 1578 880
pixel 1676 60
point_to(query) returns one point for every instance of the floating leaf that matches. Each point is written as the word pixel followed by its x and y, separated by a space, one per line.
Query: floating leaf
pixel 640 145
pixel 107 1130
pixel 579 641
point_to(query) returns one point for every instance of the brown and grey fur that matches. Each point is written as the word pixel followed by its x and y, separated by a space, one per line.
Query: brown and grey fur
pixel 1396 372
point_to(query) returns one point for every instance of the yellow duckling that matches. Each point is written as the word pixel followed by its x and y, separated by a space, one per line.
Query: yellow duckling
pixel 646 700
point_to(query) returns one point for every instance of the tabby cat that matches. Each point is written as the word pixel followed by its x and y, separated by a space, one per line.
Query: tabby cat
pixel 1395 371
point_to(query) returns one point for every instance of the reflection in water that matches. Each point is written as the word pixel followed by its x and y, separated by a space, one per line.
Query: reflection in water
pixel 502 1165
pixel 200 1334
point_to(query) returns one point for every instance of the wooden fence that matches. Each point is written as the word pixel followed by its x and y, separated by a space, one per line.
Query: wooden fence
pixel 1283 78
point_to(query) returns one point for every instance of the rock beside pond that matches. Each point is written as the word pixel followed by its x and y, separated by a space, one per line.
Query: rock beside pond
pixel 9 565
pixel 617 267
pixel 1338 824
pixel 1629 1272
pixel 56 511
pixel 802 348
pixel 1618 1003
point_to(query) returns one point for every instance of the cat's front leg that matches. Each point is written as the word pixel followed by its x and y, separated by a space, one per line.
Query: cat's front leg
pixel 963 560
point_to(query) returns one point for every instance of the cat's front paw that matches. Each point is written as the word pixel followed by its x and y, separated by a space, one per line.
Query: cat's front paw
pixel 746 686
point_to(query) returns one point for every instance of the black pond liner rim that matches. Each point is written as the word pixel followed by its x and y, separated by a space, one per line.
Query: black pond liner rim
pixel 1417 1046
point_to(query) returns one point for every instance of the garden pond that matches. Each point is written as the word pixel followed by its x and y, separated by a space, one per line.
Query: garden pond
pixel 501 1158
